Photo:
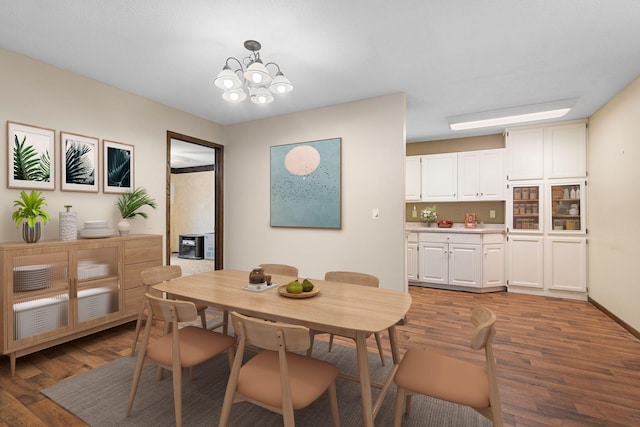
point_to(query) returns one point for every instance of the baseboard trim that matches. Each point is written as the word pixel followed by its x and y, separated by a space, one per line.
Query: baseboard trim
pixel 615 318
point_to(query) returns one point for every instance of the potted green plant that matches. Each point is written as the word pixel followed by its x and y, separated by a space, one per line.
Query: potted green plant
pixel 29 211
pixel 129 204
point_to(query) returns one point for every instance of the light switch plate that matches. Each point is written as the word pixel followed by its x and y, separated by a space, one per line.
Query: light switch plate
pixel 375 213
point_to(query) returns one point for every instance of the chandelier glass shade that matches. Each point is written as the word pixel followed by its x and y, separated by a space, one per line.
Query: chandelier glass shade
pixel 251 78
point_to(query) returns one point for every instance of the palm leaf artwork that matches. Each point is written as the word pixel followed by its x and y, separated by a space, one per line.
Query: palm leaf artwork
pixel 118 168
pixel 79 168
pixel 26 164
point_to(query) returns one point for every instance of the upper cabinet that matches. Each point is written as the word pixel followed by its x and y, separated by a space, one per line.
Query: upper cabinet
pixel 566 151
pixel 439 177
pixel 558 151
pixel 413 175
pixel 481 175
pixel 464 176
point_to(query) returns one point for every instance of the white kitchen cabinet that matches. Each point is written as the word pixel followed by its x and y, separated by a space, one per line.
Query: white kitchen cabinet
pixel 525 207
pixel 525 153
pixel 481 175
pixel 566 151
pixel 547 152
pixel 412 256
pixel 565 258
pixel 525 261
pixel 465 265
pixel 493 261
pixel 433 260
pixel 413 178
pixel 439 177
pixel 465 261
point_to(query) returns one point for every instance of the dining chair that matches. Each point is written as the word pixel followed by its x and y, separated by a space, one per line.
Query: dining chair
pixel 355 278
pixel 152 276
pixel 281 269
pixel 276 378
pixel 178 349
pixel 428 373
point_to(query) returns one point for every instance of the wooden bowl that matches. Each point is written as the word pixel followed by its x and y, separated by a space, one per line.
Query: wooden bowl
pixel 282 290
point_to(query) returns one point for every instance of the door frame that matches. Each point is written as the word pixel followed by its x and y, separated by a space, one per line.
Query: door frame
pixel 218 187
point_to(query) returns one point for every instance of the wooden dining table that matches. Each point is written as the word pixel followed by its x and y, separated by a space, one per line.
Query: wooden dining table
pixel 339 308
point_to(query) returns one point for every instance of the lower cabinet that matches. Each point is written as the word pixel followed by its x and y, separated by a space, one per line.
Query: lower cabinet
pixel 464 261
pixel 56 291
pixel 412 256
pixel 548 265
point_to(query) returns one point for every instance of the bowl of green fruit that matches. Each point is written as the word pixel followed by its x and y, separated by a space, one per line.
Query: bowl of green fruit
pixel 299 289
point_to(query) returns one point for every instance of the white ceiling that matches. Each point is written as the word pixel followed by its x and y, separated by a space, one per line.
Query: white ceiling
pixel 450 57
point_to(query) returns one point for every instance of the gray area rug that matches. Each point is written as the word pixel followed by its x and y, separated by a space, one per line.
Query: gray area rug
pixel 99 397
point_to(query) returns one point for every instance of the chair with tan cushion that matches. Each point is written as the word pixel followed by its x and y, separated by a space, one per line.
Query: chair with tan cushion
pixel 276 378
pixel 281 269
pixel 181 348
pixel 153 276
pixel 445 378
pixel 355 278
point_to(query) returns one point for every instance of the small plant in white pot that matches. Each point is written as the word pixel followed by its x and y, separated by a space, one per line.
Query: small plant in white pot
pixel 30 211
pixel 129 204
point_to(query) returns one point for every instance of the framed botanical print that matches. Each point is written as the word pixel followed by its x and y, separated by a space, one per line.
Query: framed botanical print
pixel 79 156
pixel 31 157
pixel 306 184
pixel 118 167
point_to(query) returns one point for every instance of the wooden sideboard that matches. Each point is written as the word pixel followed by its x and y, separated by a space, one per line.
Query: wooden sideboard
pixel 57 291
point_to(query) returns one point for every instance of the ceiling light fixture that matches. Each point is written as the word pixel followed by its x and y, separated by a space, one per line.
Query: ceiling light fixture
pixel 251 78
pixel 529 113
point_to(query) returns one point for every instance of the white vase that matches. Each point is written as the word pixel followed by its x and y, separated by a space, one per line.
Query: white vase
pixel 123 227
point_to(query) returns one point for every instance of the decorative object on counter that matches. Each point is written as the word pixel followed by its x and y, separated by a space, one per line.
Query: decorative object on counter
pixel 429 215
pixel 30 210
pixel 68 224
pixel 129 204
pixel 257 276
pixel 445 223
pixel 470 221
pixel 96 229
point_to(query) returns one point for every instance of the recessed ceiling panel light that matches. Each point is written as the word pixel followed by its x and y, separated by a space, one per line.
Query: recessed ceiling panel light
pixel 510 116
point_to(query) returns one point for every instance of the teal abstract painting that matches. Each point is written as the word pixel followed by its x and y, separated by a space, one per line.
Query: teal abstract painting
pixel 305 184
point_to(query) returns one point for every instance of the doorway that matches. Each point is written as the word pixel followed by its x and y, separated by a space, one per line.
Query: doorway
pixel 215 166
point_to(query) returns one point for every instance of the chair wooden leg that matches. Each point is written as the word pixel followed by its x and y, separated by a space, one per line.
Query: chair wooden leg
pixel 141 318
pixel 330 341
pixel 333 400
pixel 177 395
pixel 379 343
pixel 407 408
pixel 399 406
pixel 136 381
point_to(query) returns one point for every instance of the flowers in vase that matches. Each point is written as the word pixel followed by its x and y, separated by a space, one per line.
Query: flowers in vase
pixel 429 214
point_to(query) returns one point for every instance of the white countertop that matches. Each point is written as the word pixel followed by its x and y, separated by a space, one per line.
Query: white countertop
pixel 419 227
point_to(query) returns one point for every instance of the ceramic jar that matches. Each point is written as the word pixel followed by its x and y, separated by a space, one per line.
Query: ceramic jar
pixel 257 276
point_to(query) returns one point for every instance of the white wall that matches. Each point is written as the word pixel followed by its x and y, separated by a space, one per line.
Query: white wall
pixel 38 94
pixel 614 205
pixel 373 149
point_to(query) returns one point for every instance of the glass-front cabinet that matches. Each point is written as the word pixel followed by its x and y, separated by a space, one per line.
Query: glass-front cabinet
pixel 52 291
pixel 97 281
pixel 39 294
pixel 566 207
pixel 525 209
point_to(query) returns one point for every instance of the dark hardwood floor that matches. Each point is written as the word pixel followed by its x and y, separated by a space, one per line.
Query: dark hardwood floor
pixel 560 362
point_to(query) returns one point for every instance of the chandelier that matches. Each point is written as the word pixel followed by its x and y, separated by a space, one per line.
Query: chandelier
pixel 251 78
